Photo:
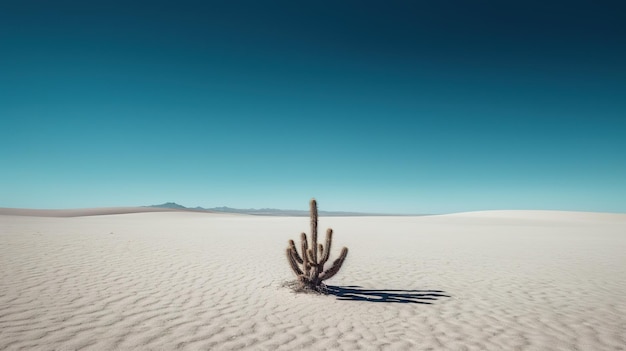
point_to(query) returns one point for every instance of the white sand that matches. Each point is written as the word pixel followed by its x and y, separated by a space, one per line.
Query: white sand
pixel 500 280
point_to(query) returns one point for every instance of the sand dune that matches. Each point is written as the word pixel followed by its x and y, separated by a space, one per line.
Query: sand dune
pixel 495 280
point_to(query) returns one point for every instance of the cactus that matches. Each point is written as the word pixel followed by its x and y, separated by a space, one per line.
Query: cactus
pixel 308 265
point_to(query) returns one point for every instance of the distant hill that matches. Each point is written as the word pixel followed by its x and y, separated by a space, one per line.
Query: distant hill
pixel 170 205
pixel 264 211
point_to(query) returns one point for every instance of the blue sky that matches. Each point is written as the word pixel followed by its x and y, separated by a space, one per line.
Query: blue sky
pixel 401 107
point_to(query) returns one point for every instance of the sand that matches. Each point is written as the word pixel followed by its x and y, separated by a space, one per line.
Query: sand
pixel 495 280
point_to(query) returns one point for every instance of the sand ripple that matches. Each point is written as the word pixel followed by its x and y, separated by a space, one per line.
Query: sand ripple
pixel 171 281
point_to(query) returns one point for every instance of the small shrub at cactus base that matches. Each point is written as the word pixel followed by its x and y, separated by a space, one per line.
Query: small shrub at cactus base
pixel 308 265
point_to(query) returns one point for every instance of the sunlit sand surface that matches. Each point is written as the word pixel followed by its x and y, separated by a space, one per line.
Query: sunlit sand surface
pixel 496 280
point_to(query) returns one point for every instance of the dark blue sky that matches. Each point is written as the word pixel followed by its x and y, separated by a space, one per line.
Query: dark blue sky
pixel 398 106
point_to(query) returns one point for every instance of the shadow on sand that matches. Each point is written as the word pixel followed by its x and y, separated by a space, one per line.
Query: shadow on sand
pixel 357 293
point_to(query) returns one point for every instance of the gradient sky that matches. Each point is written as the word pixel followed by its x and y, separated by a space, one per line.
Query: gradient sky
pixel 388 106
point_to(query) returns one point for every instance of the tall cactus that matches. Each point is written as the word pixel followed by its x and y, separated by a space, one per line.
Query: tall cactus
pixel 308 265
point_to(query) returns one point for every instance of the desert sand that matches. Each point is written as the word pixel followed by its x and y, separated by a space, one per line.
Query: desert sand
pixel 494 280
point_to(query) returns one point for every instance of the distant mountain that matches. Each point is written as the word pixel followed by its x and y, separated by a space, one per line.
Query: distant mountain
pixel 170 205
pixel 263 211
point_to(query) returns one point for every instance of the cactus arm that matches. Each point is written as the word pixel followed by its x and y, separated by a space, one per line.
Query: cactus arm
pixel 305 259
pixel 310 256
pixel 292 246
pixel 329 240
pixel 329 273
pixel 320 252
pixel 293 263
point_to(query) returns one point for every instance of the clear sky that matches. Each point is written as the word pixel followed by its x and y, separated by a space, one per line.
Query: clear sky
pixel 378 106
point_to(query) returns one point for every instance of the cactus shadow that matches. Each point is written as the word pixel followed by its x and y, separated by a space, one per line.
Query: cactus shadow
pixel 358 293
